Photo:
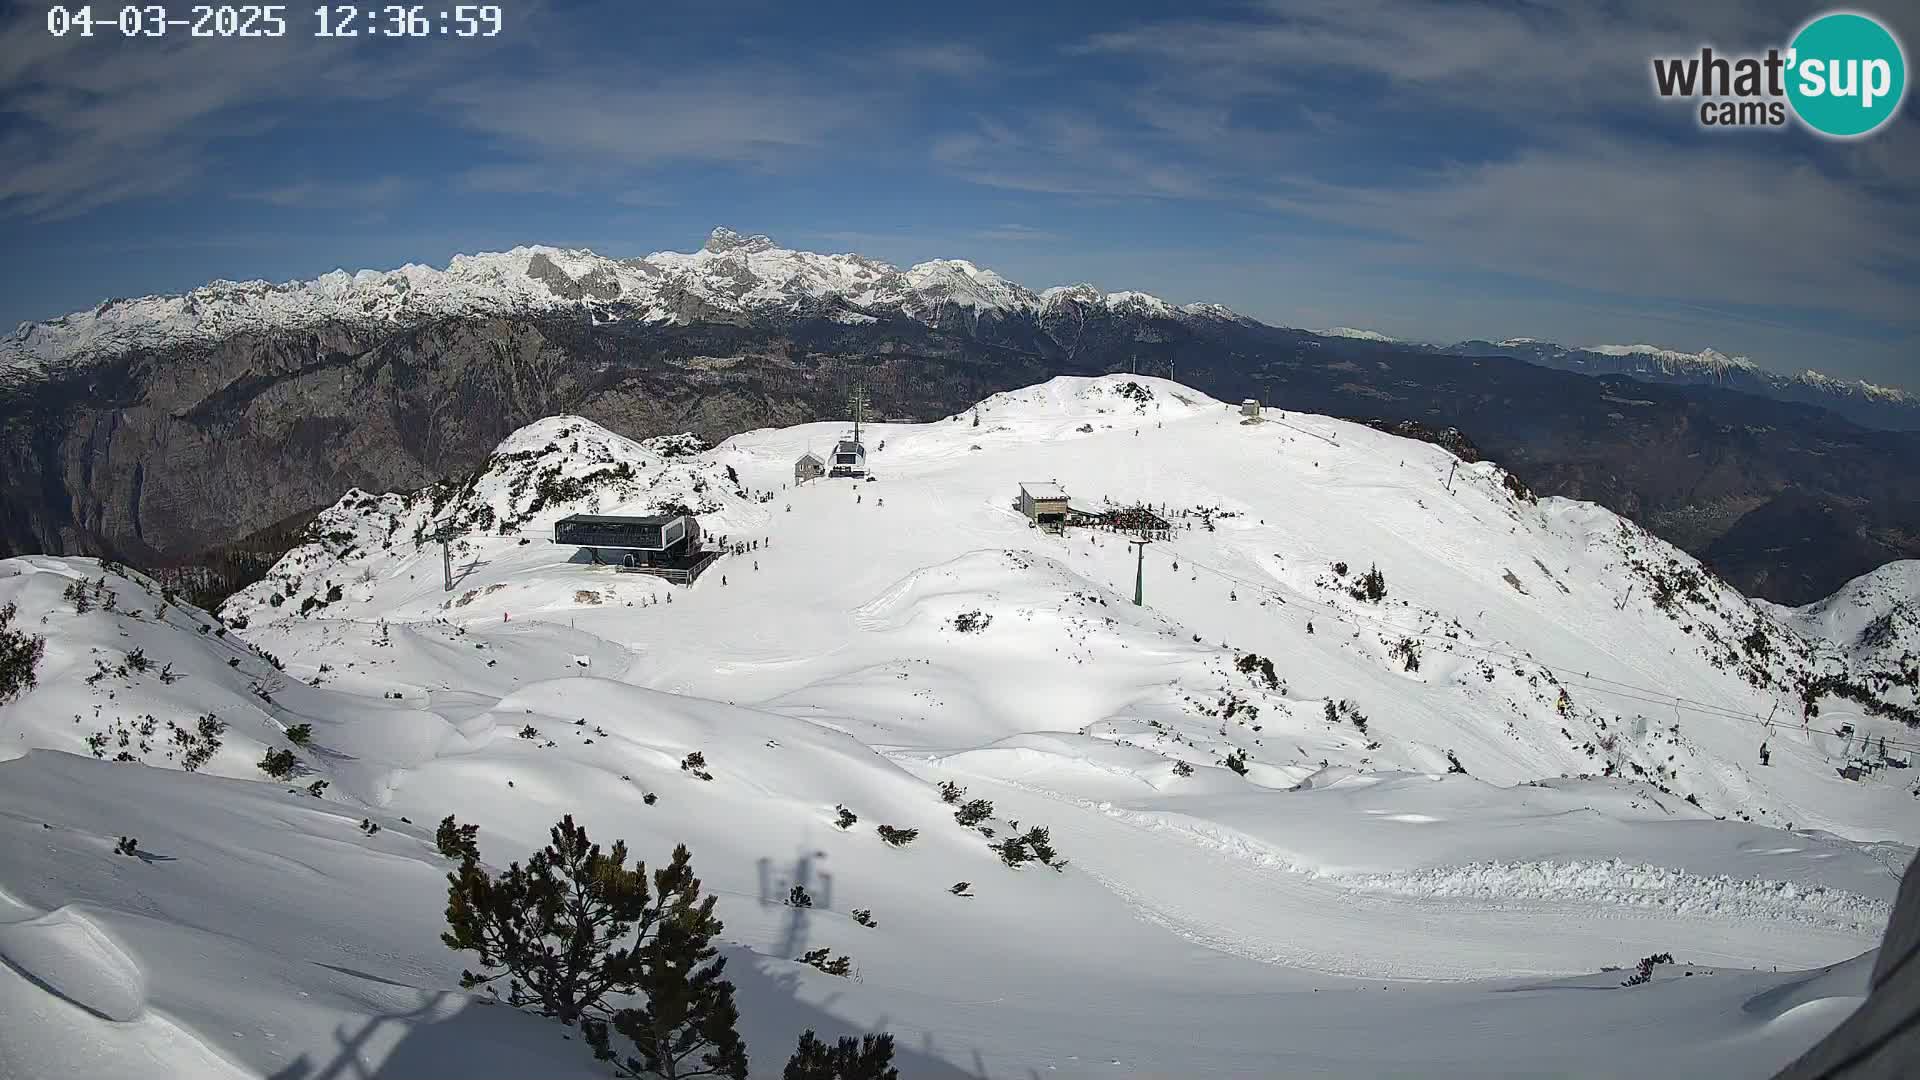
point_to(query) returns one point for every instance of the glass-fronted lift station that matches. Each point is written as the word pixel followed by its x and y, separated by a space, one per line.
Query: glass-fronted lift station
pixel 646 538
pixel 665 545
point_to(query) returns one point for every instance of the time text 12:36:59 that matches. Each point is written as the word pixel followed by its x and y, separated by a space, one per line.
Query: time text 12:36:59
pixel 271 20
pixel 408 20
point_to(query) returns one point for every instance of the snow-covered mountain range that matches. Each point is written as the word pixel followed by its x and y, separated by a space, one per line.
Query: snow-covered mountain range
pixel 736 276
pixel 731 276
pixel 1858 400
pixel 1390 743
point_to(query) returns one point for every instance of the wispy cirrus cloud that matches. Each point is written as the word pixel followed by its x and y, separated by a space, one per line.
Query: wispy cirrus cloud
pixel 710 119
pixel 1523 140
pixel 352 195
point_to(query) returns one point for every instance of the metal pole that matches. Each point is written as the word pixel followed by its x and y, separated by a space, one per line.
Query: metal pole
pixel 1450 471
pixel 1140 571
pixel 446 561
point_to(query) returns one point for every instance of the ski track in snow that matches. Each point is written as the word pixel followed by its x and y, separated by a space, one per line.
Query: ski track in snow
pixel 1587 889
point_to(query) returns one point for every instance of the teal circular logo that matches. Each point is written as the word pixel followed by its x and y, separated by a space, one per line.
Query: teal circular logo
pixel 1846 74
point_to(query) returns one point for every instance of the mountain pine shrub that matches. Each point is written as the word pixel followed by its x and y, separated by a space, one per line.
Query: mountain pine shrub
pixel 868 1058
pixel 278 764
pixel 973 812
pixel 557 929
pixel 457 841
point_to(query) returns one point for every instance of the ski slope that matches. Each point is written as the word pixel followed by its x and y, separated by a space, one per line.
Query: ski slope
pixel 1346 906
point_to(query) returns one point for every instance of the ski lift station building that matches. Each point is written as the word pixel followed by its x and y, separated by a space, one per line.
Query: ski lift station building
pixel 849 458
pixel 1044 503
pixel 809 467
pixel 664 545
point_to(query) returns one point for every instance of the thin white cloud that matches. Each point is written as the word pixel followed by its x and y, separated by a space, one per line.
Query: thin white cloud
pixel 1018 234
pixel 323 195
pixel 732 120
pixel 955 59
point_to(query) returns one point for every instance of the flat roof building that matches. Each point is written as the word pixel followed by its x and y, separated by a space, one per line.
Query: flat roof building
pixel 1044 503
pixel 665 545
pixel 849 458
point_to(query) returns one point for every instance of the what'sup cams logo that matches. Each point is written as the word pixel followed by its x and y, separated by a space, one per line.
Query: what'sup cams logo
pixel 1844 75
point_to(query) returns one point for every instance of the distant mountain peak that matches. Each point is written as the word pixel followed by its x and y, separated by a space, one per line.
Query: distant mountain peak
pixel 722 240
pixel 1356 334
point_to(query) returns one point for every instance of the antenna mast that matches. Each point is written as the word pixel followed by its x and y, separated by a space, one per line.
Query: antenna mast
pixel 446 533
pixel 859 407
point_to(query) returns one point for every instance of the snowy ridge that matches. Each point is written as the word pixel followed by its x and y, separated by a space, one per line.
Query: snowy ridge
pixel 1350 332
pixel 551 468
pixel 1708 364
pixel 1875 617
pixel 731 275
pixel 1852 386
pixel 1705 358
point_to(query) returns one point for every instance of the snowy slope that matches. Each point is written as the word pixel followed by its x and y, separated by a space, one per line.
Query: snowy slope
pixel 1874 617
pixel 1504 604
pixel 1346 906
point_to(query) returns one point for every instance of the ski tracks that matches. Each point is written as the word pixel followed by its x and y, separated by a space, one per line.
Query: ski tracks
pixel 1262 905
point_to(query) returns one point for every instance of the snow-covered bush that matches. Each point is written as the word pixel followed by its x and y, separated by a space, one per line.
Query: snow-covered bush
pixel 824 960
pixel 1643 974
pixel 1255 664
pixel 1371 587
pixel 973 812
pixel 19 656
pixel 1033 845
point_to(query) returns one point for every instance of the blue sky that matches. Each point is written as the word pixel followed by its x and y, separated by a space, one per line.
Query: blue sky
pixel 1434 171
